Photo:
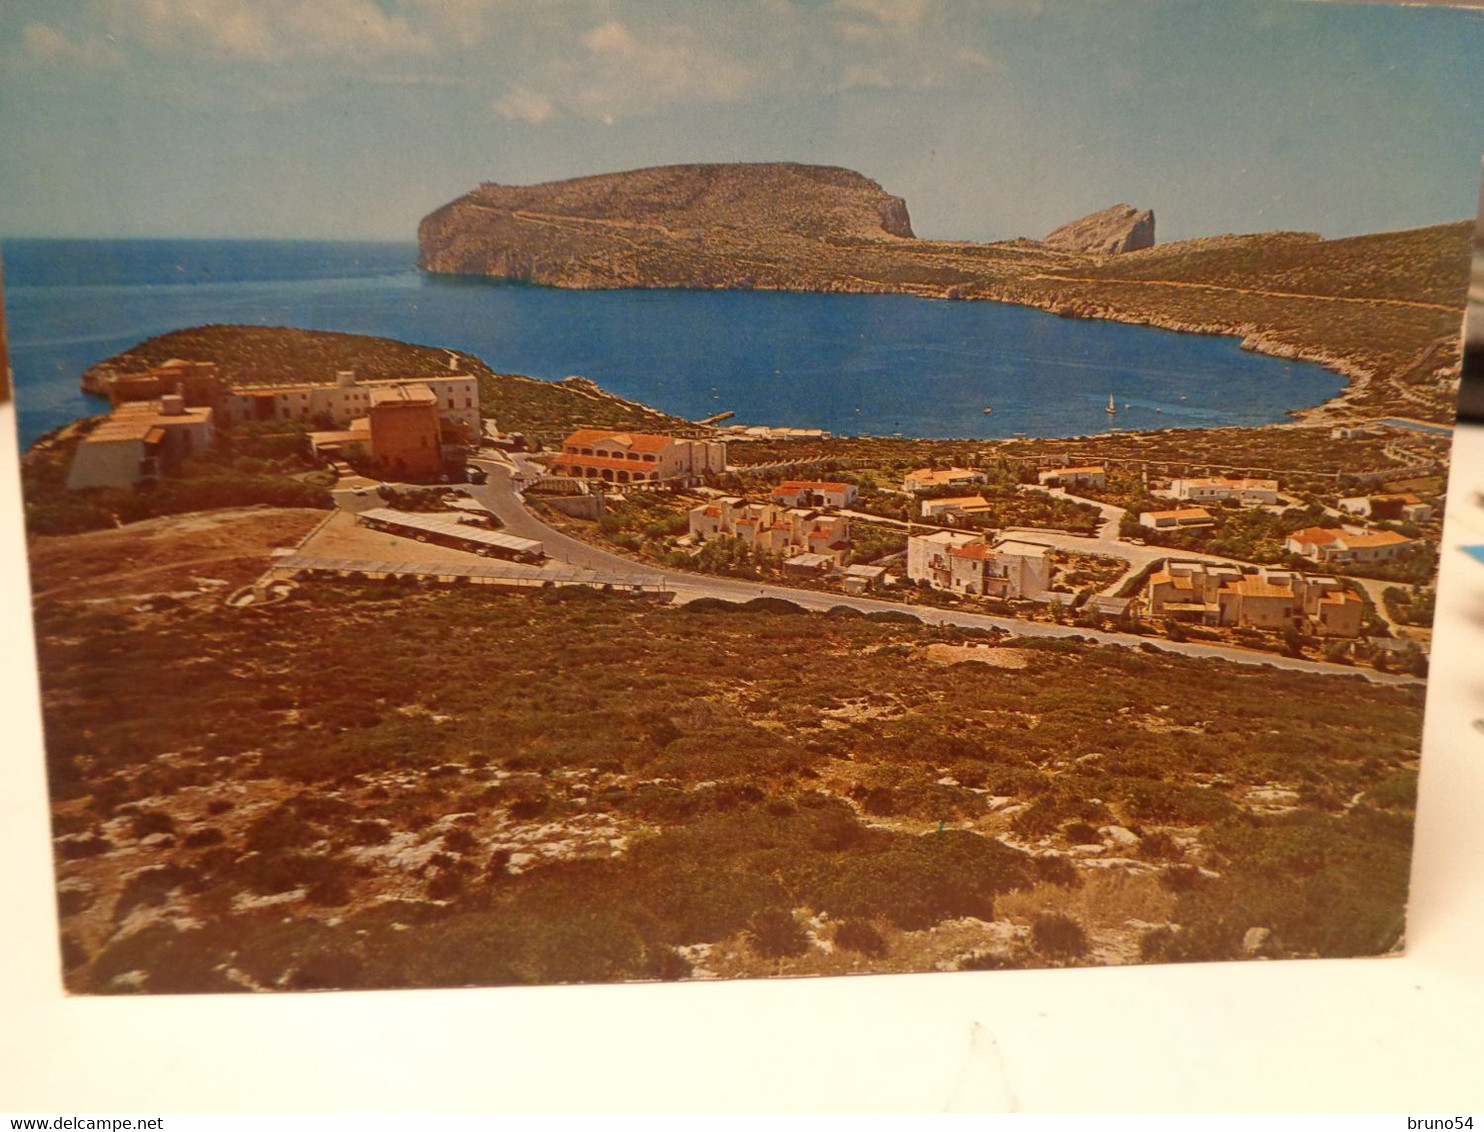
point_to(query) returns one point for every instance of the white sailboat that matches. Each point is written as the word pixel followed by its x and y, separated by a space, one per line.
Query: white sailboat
pixel 1112 408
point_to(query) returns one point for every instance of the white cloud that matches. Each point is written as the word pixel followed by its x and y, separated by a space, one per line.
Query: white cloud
pixel 899 15
pixel 606 71
pixel 46 44
pixel 520 104
pixel 271 31
pixel 611 39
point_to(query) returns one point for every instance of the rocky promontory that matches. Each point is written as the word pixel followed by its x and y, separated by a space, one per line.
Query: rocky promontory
pixel 671 226
pixel 1382 309
pixel 1112 231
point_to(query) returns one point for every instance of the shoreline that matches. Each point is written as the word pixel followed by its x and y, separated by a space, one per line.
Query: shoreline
pixel 1252 338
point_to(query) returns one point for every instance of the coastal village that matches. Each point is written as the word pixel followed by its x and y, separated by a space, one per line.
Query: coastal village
pixel 440 627
pixel 1339 572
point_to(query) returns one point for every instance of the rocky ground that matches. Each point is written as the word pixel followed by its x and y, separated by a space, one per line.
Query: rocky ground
pixel 384 786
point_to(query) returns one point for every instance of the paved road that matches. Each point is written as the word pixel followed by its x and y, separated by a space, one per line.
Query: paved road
pixel 501 496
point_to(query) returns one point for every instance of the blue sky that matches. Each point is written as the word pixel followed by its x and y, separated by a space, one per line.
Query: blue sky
pixel 353 118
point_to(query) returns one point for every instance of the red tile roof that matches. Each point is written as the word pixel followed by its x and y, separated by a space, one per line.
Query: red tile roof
pixel 1316 536
pixel 790 486
pixel 634 441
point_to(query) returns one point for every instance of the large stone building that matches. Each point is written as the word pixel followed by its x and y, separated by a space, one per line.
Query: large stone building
pixel 456 396
pixel 773 529
pixel 638 457
pixel 199 383
pixel 405 432
pixel 1224 594
pixel 411 428
pixel 138 441
pixel 970 564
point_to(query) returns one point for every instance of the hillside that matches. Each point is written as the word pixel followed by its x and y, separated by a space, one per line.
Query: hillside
pixel 660 794
pixel 1382 309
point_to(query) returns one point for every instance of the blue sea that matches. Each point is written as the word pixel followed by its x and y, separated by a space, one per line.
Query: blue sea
pixel 854 364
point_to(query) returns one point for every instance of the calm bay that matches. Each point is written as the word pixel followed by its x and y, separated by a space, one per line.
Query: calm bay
pixel 853 364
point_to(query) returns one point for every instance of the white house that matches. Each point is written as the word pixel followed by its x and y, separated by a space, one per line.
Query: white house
pixel 1092 476
pixel 816 493
pixel 955 506
pixel 136 439
pixel 968 564
pixel 1218 489
pixel 1347 544
pixel 1180 519
pixel 925 479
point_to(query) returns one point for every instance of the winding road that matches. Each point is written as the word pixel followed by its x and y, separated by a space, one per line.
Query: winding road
pixel 502 496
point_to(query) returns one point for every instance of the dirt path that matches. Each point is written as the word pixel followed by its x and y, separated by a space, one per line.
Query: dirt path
pixel 109 579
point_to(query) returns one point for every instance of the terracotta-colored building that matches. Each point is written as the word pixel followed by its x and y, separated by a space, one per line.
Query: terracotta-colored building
pixel 638 457
pixel 786 531
pixel 1224 594
pixel 406 433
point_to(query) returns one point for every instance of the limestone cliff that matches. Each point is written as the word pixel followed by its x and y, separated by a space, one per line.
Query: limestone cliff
pixel 1121 228
pixel 1370 307
pixel 671 226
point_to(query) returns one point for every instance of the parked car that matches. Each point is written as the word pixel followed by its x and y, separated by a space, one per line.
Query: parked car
pixel 476 474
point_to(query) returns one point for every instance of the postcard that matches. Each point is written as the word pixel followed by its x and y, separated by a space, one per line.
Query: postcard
pixel 596 494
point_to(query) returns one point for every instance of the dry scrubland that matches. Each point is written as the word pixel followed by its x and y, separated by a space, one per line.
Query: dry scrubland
pixel 377 786
pixel 1307 458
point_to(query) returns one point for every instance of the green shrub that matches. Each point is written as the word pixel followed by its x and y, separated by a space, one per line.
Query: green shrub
pixel 1058 936
pixel 666 965
pixel 1396 792
pixel 151 822
pixel 368 832
pixel 151 887
pixel 1152 800
pixel 1181 878
pixel 920 881
pixel 858 935
pixel 78 848
pixel 1157 845
pixel 774 934
pixel 1058 871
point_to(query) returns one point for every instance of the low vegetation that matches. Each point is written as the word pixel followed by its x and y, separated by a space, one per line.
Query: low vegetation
pixel 251 466
pixel 571 787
